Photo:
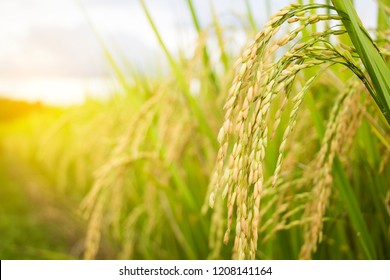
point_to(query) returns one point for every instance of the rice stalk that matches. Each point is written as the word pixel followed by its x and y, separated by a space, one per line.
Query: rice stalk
pixel 244 135
pixel 373 61
pixel 335 142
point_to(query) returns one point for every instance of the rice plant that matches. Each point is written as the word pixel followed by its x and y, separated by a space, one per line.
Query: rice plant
pixel 302 126
pixel 249 124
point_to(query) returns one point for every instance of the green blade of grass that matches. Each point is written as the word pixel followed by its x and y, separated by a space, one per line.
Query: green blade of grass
pixel 206 58
pixel 383 19
pixel 180 236
pixel 219 33
pixel 371 58
pixel 354 213
pixel 192 103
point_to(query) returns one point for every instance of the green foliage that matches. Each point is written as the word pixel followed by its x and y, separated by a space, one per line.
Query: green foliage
pixel 370 56
pixel 129 176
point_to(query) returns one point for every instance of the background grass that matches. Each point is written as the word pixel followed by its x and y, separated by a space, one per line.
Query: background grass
pixel 128 177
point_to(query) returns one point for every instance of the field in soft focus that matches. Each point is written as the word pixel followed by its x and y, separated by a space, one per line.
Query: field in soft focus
pixel 127 177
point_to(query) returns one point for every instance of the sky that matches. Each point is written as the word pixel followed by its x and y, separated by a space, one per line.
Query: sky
pixel 49 52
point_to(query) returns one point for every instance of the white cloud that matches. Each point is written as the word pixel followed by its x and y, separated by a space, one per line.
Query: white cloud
pixel 51 38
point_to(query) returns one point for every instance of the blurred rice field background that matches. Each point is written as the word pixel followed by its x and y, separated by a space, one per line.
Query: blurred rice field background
pixel 132 176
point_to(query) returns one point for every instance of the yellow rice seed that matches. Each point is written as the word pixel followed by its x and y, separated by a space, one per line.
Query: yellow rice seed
pixel 265 108
pixel 224 148
pixel 259 35
pixel 242 69
pixel 229 103
pixel 226 237
pixel 272 49
pixel 292 20
pixel 273 20
pixel 245 106
pixel 303 18
pixel 212 199
pixel 237 62
pixel 246 54
pixel 299 29
pixel 284 40
pixel 235 174
pixel 282 12
pixel 221 135
pixel 253 53
pixel 244 226
pixel 225 191
pixel 227 125
pixel 238 228
pixel 299 46
pixel 231 161
pixel 250 94
pixel 280 86
pixel 250 178
pixel 313 19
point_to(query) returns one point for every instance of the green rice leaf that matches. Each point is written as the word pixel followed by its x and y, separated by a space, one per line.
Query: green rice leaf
pixel 370 56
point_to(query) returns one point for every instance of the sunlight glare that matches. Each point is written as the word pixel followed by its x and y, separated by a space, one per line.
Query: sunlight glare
pixel 56 91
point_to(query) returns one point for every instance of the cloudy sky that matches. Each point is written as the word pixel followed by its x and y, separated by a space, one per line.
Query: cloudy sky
pixel 48 51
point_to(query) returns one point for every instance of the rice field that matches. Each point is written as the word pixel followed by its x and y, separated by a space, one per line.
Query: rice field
pixel 278 151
